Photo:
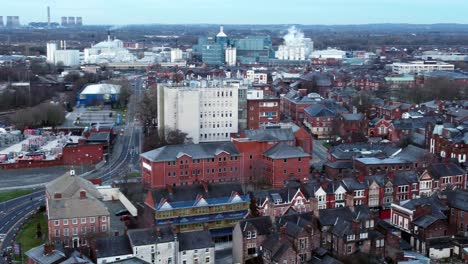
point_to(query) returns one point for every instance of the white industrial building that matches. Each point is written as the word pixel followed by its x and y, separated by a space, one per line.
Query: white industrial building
pixel 295 46
pixel 328 54
pixel 230 56
pixel 444 56
pixel 69 58
pixel 109 51
pixel 207 110
pixel 421 67
pixel 51 48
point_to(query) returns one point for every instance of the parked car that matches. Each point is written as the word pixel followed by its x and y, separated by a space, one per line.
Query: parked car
pixel 122 212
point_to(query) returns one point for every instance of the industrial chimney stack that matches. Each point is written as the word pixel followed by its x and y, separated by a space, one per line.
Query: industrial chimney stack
pixel 48 16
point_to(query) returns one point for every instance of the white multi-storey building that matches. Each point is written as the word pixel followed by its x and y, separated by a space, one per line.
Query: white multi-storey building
pixel 176 55
pixel 230 56
pixel 207 110
pixel 420 67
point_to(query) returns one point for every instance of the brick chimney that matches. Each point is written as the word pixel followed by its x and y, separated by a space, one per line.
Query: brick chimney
pixel 390 175
pixel 82 195
pixel 48 248
pixel 302 92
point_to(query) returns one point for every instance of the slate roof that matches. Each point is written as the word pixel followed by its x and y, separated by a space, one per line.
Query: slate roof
pixel 377 161
pixel 113 246
pixel 328 217
pixel 276 134
pixel 445 169
pixel 262 224
pixel 148 236
pixel 319 110
pixel 196 151
pixel 284 151
pixel 100 136
pixel 412 153
pixel 195 240
pixel 37 254
pixel 458 199
pixel 405 178
pixel 352 184
pixel 75 208
pixel 353 117
pixel 185 196
pixel 68 186
pixel 339 164
pixel 277 247
pixel 357 150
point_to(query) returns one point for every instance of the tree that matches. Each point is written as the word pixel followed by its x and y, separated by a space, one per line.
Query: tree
pixel 38 231
pixel 125 91
pixel 148 109
pixel 176 137
pixel 253 206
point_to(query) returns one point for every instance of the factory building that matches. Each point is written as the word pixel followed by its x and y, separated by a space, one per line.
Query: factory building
pixel 295 46
pixel 99 94
pixel 69 58
pixel 13 21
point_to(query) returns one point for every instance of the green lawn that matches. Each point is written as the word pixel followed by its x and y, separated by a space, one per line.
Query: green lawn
pixel 8 195
pixel 27 235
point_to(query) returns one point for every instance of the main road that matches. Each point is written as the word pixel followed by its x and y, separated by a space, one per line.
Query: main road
pixel 14 212
pixel 125 155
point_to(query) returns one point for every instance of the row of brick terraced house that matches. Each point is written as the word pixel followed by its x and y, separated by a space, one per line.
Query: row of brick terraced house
pixel 275 155
pixel 376 191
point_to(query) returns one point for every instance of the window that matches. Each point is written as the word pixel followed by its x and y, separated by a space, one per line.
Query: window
pixel 65 221
pixel 359 193
pixel 103 218
pixel 459 178
pixel 446 180
pixel 75 221
pixel 388 189
pixel 380 243
pixel 65 232
pixel 403 189
pixel 207 260
pixel 339 196
pixel 75 231
pixel 349 249
pixel 350 238
pixel 321 198
pixel 302 243
pixel 83 230
pixel 57 222
pixel 251 251
pixel 249 235
pixel 254 234
pixel 104 228
pixel 363 235
pixel 57 232
pixel 83 220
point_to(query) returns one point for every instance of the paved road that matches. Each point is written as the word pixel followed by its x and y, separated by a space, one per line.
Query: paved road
pixel 13 213
pixel 126 156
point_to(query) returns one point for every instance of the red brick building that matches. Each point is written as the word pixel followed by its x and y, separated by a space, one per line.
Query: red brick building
pixel 74 211
pixel 82 153
pixel 242 160
pixel 448 143
pixel 284 162
pixel 262 110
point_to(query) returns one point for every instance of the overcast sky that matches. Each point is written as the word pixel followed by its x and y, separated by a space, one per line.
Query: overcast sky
pixel 331 12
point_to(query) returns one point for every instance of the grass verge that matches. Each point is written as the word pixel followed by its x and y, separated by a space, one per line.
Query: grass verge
pixel 27 236
pixel 8 195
